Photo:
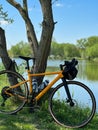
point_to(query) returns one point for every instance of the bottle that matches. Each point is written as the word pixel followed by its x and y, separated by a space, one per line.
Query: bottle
pixel 35 85
pixel 44 84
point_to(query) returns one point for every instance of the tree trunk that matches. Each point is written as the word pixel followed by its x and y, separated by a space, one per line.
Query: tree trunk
pixel 7 62
pixel 46 36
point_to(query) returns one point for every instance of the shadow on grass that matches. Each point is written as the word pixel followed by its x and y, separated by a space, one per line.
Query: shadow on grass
pixel 39 120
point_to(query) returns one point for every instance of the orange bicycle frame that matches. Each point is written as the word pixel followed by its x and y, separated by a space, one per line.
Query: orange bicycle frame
pixel 59 76
pixel 29 80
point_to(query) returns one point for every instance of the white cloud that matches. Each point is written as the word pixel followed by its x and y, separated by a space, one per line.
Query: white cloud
pixel 3 22
pixel 59 5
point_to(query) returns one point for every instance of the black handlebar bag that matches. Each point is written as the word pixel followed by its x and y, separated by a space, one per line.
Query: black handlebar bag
pixel 70 72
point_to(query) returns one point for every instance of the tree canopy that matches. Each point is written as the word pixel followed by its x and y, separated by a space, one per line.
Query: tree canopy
pixel 21 48
pixel 88 46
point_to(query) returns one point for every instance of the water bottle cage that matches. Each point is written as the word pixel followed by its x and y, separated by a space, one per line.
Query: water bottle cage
pixel 39 88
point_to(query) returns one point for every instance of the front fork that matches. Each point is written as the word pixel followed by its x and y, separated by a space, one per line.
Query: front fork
pixel 69 97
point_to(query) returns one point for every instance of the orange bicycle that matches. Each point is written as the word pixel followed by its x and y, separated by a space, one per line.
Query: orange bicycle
pixel 71 103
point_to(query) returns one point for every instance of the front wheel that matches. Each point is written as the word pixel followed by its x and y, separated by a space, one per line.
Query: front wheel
pixel 12 99
pixel 76 113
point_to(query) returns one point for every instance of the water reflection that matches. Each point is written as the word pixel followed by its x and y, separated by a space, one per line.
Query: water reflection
pixel 88 70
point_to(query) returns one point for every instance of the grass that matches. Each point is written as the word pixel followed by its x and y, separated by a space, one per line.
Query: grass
pixel 38 120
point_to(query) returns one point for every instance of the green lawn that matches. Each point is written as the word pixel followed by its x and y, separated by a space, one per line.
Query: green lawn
pixel 39 120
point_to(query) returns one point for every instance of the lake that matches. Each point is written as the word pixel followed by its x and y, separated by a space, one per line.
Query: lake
pixel 87 73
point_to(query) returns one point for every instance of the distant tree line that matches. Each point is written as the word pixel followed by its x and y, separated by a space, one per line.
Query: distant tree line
pixel 21 48
pixel 64 50
pixel 88 47
pixel 84 48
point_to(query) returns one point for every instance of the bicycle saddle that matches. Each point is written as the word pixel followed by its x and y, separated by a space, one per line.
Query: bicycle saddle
pixel 26 58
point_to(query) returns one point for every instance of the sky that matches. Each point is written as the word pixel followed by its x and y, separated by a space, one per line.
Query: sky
pixel 76 19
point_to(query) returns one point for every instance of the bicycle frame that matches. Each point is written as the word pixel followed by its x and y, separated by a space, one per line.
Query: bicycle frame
pixel 29 80
pixel 59 76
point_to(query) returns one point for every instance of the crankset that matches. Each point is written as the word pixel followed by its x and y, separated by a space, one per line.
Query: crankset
pixel 4 95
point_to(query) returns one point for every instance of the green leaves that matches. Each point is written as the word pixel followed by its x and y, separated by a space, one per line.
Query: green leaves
pixel 88 47
pixel 64 50
pixel 20 48
pixel 4 16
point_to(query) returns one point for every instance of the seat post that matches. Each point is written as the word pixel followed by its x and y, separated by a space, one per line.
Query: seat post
pixel 27 65
pixel 27 60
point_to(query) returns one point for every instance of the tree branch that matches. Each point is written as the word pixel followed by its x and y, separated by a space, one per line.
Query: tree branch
pixel 18 7
pixel 25 5
pixel 14 3
pixel 29 26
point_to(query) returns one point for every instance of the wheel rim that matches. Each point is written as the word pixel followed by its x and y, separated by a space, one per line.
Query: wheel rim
pixel 10 104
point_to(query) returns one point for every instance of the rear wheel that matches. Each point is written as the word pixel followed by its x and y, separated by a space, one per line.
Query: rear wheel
pixel 75 113
pixel 12 99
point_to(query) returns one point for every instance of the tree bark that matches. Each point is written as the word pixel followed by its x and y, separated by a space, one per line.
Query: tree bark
pixel 46 36
pixel 6 60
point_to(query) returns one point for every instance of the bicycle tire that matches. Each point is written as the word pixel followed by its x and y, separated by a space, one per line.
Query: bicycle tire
pixel 72 116
pixel 11 104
